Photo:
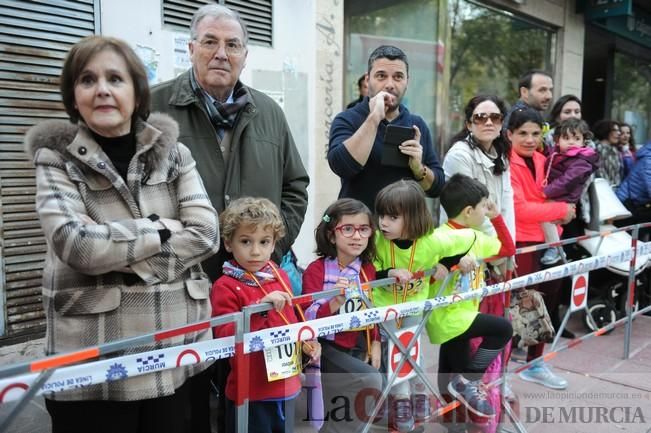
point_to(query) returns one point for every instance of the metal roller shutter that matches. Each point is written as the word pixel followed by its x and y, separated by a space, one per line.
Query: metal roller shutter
pixel 257 14
pixel 34 38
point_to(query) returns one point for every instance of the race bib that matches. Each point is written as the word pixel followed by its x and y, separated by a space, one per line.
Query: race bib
pixel 353 302
pixel 471 281
pixel 282 361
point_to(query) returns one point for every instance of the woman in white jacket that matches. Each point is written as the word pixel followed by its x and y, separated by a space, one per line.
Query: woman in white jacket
pixel 479 151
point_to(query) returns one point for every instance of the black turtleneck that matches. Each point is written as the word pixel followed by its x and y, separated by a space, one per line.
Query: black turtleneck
pixel 120 150
pixel 530 164
pixel 403 244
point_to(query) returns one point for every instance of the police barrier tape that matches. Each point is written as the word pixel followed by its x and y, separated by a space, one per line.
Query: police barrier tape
pixel 117 368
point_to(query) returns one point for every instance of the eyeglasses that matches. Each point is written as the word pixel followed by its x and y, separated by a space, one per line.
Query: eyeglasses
pixel 348 230
pixel 231 48
pixel 482 118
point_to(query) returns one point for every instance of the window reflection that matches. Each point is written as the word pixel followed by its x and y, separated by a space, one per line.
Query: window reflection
pixel 631 87
pixel 410 25
pixel 489 51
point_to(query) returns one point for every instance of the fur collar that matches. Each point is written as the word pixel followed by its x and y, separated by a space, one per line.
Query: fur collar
pixel 58 134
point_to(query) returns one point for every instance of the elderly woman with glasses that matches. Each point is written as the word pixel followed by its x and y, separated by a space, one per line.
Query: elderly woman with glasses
pixel 479 151
pixel 127 222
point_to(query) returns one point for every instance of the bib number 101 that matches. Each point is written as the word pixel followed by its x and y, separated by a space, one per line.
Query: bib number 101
pixel 282 361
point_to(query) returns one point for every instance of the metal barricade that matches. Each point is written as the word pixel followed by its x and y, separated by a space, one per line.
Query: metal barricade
pixel 30 377
pixel 40 371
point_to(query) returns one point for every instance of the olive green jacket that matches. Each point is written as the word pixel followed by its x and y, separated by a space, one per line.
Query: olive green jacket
pixel 264 160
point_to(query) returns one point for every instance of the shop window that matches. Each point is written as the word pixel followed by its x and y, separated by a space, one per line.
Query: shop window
pixel 490 49
pixel 411 25
pixel 257 15
pixel 631 90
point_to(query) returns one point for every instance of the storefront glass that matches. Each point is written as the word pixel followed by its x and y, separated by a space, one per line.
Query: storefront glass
pixel 490 50
pixel 631 90
pixel 410 25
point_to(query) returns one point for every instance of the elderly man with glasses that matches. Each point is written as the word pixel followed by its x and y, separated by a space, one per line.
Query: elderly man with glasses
pixel 238 136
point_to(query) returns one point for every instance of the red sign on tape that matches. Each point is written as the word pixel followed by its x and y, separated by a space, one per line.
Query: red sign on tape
pixel 395 355
pixel 14 387
pixel 579 291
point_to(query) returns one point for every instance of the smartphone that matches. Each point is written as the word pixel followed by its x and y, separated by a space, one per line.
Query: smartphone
pixel 394 136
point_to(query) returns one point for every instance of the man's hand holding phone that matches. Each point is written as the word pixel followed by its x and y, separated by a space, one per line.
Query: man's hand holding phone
pixel 413 149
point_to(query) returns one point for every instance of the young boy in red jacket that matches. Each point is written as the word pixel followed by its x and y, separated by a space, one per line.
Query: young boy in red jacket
pixel 250 228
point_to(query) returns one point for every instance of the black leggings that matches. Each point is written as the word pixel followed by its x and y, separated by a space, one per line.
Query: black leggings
pixel 454 356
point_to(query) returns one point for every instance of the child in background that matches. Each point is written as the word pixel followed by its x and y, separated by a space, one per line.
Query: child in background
pixel 345 246
pixel 406 244
pixel 466 201
pixel 569 168
pixel 250 228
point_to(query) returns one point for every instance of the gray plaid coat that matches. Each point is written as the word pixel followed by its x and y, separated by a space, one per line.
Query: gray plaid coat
pixel 99 236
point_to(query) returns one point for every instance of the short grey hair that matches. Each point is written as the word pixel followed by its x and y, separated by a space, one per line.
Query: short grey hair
pixel 217 11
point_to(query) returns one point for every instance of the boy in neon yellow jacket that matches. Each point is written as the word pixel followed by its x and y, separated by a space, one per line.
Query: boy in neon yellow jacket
pixel 453 326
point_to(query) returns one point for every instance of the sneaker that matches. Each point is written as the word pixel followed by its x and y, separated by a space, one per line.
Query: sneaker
pixel 551 257
pixel 401 417
pixel 422 407
pixel 472 394
pixel 541 374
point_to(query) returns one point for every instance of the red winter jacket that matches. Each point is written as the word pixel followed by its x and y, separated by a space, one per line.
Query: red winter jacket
pixel 230 295
pixel 529 202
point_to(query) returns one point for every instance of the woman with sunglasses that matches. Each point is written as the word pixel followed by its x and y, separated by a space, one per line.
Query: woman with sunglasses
pixel 479 151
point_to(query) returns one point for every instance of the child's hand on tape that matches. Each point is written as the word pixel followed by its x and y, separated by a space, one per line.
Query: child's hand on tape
pixel 402 275
pixel 467 264
pixel 278 299
pixel 341 284
pixel 312 348
pixel 440 273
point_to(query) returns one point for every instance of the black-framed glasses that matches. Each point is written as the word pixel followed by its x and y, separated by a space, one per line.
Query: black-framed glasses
pixel 348 230
pixel 482 118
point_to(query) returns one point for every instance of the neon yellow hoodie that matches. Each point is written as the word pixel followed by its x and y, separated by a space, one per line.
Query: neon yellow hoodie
pixel 448 322
pixel 427 252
